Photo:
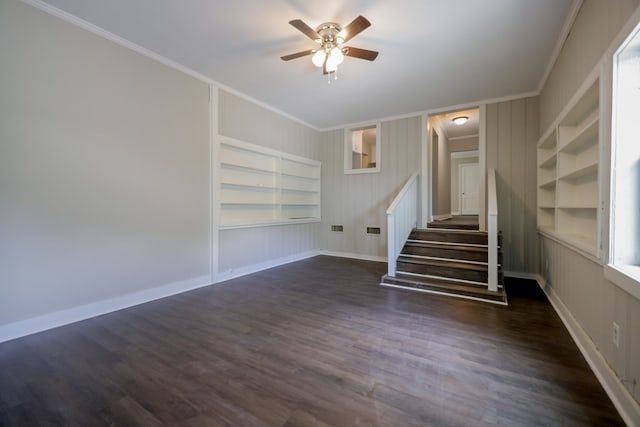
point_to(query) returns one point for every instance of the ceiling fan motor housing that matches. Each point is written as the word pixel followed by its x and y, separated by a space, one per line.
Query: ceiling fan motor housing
pixel 329 33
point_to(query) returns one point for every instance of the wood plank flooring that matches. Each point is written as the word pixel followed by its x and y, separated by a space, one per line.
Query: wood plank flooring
pixel 460 222
pixel 313 343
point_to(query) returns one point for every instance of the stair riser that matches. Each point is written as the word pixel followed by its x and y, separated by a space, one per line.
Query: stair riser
pixel 440 236
pixel 454 227
pixel 443 271
pixel 425 286
pixel 446 252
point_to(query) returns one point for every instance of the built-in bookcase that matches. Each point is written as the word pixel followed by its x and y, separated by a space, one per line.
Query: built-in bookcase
pixel 569 172
pixel 262 186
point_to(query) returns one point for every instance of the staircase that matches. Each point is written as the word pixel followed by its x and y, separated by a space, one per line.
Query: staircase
pixel 451 261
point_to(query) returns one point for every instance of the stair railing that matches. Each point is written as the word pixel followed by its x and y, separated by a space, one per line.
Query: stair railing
pixel 402 217
pixel 492 229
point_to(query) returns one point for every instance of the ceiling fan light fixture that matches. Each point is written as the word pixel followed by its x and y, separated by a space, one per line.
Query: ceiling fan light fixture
pixel 460 120
pixel 331 37
pixel 319 57
pixel 331 66
pixel 336 55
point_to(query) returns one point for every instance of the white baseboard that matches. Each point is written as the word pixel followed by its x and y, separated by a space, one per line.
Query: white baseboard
pixel 64 317
pixel 624 402
pixel 455 213
pixel 249 269
pixel 626 405
pixel 354 256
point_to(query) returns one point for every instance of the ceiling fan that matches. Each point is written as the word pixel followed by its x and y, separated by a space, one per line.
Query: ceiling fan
pixel 331 38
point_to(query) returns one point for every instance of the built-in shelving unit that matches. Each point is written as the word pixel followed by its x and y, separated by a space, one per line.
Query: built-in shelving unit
pixel 568 172
pixel 262 186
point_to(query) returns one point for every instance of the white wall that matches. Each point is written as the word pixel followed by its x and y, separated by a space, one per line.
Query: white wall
pixel 464 144
pixel 243 250
pixel 440 170
pixel 356 201
pixel 597 23
pixel 104 169
pixel 576 281
pixel 512 129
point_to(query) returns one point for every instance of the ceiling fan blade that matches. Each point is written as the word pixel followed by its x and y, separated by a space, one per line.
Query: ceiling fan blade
pixel 305 29
pixel 354 28
pixel 297 55
pixel 355 52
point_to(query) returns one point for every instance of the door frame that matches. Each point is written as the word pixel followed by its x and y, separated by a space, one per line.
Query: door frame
pixel 426 191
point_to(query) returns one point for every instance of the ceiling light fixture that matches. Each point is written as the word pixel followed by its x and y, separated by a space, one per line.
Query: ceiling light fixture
pixel 330 54
pixel 331 37
pixel 460 120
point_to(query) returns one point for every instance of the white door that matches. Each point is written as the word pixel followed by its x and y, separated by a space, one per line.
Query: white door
pixel 469 174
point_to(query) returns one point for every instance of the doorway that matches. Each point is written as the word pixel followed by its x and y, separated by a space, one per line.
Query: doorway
pixel 465 174
pixel 468 173
pixel 454 139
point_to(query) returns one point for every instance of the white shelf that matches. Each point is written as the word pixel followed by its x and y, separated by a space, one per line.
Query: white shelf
pixel 590 169
pixel 575 138
pixel 261 186
pixel 568 172
pixel 550 161
pixel 549 184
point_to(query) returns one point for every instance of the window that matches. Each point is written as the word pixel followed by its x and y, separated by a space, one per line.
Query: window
pixel 624 247
pixel 362 149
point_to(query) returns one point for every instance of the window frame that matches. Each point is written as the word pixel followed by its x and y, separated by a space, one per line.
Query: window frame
pixel 348 132
pixel 624 274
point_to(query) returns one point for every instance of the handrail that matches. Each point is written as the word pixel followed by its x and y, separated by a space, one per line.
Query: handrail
pixel 401 194
pixel 492 229
pixel 402 217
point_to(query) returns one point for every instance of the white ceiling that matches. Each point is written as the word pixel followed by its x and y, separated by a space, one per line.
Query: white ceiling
pixel 452 130
pixel 434 54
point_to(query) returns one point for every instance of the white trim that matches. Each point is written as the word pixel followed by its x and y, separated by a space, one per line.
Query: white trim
pixel 362 257
pixel 441 217
pixel 85 25
pixel 465 154
pixel 457 213
pixel 457 138
pixel 234 273
pixel 348 149
pixel 570 244
pixel 436 242
pixel 214 188
pixel 448 279
pixel 625 277
pixel 433 258
pixel 439 110
pixel 482 160
pixel 429 291
pixel 626 405
pixel 266 106
pixel 75 314
pixel 425 178
pixel 74 20
pixel 564 33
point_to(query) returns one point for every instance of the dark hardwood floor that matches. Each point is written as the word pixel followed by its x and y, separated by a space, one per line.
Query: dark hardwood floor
pixel 313 343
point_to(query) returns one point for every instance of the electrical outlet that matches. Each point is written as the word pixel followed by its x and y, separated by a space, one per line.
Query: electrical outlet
pixel 616 334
